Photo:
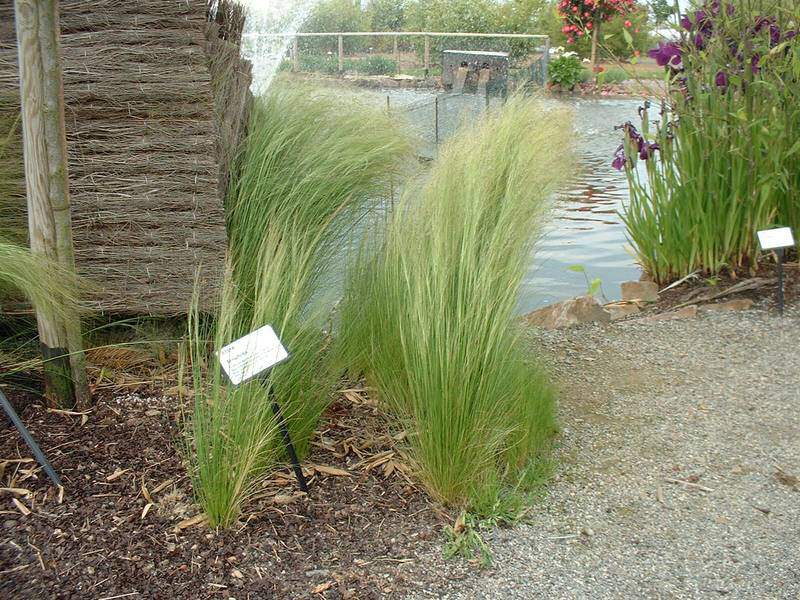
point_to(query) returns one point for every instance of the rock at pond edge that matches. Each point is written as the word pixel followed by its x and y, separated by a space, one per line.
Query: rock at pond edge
pixel 575 311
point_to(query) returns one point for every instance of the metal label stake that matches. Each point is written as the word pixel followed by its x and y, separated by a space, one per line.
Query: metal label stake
pixel 26 435
pixel 255 355
pixel 778 240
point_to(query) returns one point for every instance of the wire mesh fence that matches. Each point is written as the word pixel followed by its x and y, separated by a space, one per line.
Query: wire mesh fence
pixel 415 54
pixel 436 117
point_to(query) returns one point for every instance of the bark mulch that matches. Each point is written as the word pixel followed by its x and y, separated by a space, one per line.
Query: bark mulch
pixel 759 285
pixel 127 525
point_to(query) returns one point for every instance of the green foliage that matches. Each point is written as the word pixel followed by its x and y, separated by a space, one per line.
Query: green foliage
pixel 465 540
pixel 428 314
pixel 565 71
pixel 374 65
pixel 662 10
pixel 727 166
pixel 331 16
pixel 312 168
pixel 613 75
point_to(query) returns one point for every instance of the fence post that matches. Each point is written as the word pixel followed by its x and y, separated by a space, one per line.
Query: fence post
pixel 436 120
pixel 295 55
pixel 47 186
pixel 427 55
pixel 341 54
pixel 545 61
pixel 396 51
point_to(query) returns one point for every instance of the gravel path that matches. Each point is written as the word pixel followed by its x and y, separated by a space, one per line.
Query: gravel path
pixel 714 402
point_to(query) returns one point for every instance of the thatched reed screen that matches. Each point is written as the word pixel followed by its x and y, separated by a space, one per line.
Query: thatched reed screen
pixel 156 99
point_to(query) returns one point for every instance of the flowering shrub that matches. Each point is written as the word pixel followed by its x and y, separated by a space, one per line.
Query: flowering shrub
pixel 722 161
pixel 581 16
pixel 566 70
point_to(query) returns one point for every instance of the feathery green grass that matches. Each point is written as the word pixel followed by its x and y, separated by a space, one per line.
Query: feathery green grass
pixel 50 288
pixel 312 169
pixel 428 316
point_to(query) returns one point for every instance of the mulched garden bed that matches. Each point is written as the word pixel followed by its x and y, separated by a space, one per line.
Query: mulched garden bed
pixel 121 529
pixel 759 286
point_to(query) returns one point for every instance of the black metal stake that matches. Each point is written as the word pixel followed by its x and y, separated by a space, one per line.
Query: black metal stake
pixel 779 253
pixel 287 441
pixel 26 435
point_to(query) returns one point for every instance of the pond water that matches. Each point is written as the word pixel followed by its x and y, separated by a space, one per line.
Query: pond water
pixel 585 227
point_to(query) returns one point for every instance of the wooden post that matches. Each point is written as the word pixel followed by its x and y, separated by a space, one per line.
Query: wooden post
pixel 341 54
pixel 427 55
pixel 295 56
pixel 47 185
pixel 396 52
pixel 546 63
pixel 593 59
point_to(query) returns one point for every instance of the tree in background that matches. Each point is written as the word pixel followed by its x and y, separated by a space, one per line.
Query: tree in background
pixel 331 16
pixel 584 18
pixel 662 10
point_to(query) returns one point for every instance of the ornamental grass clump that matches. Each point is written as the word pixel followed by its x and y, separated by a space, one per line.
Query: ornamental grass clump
pixel 428 313
pixel 723 159
pixel 312 168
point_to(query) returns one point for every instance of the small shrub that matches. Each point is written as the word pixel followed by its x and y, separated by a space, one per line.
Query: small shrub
pixel 319 63
pixel 566 71
pixel 375 65
pixel 612 75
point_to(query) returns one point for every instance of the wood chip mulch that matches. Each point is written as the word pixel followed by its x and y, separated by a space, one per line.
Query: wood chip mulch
pixel 127 526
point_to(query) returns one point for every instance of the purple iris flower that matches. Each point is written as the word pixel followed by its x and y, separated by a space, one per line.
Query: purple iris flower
pixel 644 148
pixel 686 23
pixel 647 149
pixel 668 54
pixel 790 35
pixel 722 79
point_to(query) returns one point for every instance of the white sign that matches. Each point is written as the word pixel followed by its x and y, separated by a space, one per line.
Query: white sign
pixel 251 355
pixel 775 238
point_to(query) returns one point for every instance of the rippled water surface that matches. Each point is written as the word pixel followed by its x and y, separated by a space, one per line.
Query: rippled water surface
pixel 585 228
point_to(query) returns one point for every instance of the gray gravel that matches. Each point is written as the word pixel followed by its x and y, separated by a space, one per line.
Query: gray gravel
pixel 714 401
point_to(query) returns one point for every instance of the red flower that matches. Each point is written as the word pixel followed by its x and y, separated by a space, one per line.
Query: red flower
pixel 628 23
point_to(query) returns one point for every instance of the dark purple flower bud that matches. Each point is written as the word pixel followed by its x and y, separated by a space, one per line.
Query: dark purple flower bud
pixel 686 23
pixel 668 54
pixel 789 35
pixel 699 41
pixel 762 22
pixel 619 158
pixel 774 35
pixel 754 63
pixel 722 79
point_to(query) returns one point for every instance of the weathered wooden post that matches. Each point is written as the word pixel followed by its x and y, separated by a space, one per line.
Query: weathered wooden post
pixel 341 54
pixel 295 55
pixel 546 62
pixel 47 186
pixel 427 55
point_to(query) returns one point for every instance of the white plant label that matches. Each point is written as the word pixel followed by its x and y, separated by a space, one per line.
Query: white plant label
pixel 252 355
pixel 775 238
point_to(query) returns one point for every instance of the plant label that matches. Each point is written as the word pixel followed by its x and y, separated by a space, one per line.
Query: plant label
pixel 769 239
pixel 252 354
